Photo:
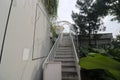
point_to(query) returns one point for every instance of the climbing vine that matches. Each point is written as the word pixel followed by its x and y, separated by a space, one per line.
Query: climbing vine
pixel 51 7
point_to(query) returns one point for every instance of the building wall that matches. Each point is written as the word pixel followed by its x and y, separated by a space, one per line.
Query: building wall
pixel 26 40
pixel 98 42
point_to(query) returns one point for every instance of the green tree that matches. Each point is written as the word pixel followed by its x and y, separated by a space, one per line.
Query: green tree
pixel 115 10
pixel 89 18
pixel 109 6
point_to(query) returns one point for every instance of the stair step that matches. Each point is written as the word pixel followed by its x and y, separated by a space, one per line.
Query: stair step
pixel 69 74
pixel 71 66
pixel 59 51
pixel 68 64
pixel 64 56
pixel 65 59
pixel 63 45
pixel 69 69
pixel 65 62
pixel 70 47
pixel 65 48
pixel 64 51
pixel 69 78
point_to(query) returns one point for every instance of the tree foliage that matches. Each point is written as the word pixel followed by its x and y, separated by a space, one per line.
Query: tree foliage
pixel 51 7
pixel 91 13
pixel 89 18
pixel 115 10
pixel 110 6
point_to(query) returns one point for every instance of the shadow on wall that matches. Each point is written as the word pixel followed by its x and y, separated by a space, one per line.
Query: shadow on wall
pixel 38 71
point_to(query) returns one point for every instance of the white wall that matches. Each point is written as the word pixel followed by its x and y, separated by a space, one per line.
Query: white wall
pixel 27 38
pixel 4 9
pixel 52 71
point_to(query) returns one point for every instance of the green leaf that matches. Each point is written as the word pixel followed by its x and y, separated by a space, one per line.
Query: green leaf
pixel 51 7
pixel 101 62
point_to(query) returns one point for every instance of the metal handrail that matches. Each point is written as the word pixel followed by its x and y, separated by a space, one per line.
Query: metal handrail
pixel 51 53
pixel 76 57
pixel 74 48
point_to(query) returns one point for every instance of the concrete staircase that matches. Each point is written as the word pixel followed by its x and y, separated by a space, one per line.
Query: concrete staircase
pixel 64 54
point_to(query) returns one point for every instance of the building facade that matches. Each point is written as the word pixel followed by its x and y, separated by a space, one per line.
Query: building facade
pixel 24 39
pixel 97 40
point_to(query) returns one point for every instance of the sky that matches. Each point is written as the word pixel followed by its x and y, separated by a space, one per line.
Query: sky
pixel 111 26
pixel 65 9
pixel 67 6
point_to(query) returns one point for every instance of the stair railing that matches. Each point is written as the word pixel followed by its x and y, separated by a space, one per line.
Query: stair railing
pixel 74 48
pixel 51 54
pixel 76 57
